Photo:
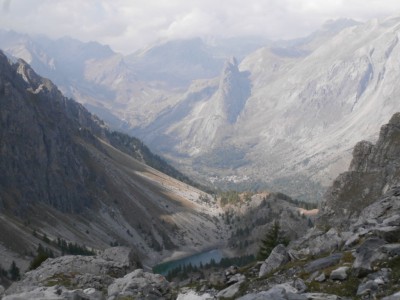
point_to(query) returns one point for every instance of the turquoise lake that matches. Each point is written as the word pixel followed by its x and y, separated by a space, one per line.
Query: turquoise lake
pixel 196 259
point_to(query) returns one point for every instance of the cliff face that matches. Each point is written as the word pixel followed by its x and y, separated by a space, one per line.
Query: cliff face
pixel 64 174
pixel 41 133
pixel 373 170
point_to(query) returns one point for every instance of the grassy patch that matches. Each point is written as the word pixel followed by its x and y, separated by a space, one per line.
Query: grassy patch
pixel 60 279
pixel 346 288
pixel 348 257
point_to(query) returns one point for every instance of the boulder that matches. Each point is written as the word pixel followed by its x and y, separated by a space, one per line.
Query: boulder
pixel 188 294
pixel 391 249
pixel 236 278
pixel 278 292
pixel 391 234
pixel 299 285
pixel 139 284
pixel 395 296
pixel 367 288
pixel 217 279
pixel 325 242
pixel 352 241
pixel 232 270
pixel 56 293
pixel 321 278
pixel 392 221
pixel 323 263
pixel 339 273
pixel 381 277
pixel 230 291
pixel 321 296
pixel 278 257
pixel 366 254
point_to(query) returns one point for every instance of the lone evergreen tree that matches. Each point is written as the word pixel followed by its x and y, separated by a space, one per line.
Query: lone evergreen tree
pixel 14 271
pixel 273 238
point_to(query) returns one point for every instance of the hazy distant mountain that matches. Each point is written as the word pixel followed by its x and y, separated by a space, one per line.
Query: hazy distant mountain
pixel 286 116
pixel 309 102
pixel 179 62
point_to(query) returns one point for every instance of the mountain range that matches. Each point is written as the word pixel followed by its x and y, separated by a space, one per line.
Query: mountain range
pixel 282 116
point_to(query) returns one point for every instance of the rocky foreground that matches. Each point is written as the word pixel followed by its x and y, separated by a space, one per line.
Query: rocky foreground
pixel 362 262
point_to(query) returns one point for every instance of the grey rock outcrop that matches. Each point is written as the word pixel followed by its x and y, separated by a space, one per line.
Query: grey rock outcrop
pixel 56 293
pixel 323 263
pixel 372 171
pixel 278 257
pixel 79 272
pixel 139 285
pixel 124 257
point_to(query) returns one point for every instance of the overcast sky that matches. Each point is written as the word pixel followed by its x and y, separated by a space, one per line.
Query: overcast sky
pixel 127 25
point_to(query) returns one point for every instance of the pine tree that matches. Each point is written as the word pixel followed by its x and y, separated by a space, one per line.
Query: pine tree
pixel 273 238
pixel 14 271
pixel 42 255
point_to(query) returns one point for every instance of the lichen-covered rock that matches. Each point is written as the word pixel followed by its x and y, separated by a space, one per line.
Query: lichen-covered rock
pixel 278 257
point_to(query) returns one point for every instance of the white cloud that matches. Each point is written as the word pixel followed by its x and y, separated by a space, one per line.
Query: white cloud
pixel 129 24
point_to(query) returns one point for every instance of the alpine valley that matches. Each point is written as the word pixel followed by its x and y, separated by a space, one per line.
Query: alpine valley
pixel 87 209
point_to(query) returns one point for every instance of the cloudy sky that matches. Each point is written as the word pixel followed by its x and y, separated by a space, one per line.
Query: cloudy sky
pixel 127 25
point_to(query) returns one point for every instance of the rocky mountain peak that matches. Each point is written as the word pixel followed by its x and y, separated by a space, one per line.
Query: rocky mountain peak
pixel 230 66
pixel 234 89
